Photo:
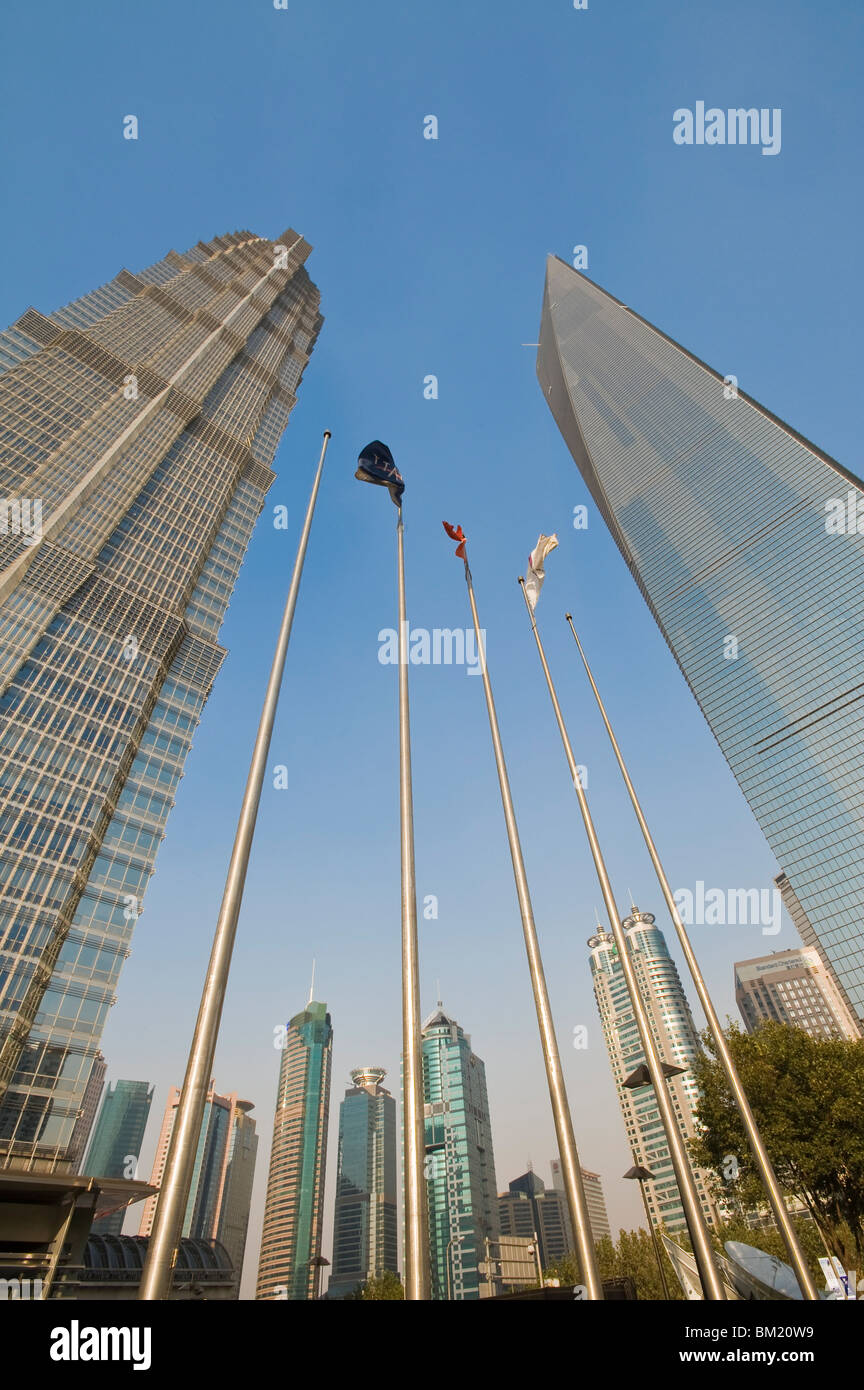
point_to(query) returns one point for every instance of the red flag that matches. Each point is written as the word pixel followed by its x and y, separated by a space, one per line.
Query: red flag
pixel 456 534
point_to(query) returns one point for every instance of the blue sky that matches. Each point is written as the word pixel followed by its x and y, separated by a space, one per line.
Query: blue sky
pixel 555 129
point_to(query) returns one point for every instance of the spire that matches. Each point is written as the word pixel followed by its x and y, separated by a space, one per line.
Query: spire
pixel 312 985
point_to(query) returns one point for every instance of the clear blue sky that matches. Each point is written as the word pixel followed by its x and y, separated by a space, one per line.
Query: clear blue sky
pixel 555 128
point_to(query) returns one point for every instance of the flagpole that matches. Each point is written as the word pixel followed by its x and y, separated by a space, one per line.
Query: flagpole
pixel 754 1138
pixel 570 1165
pixel 174 1192
pixel 417 1280
pixel 703 1251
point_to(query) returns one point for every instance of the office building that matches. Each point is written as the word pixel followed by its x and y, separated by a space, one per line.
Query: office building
pixel 747 543
pixel 792 987
pixel 139 425
pixel 89 1105
pixel 116 1144
pixel 291 1261
pixel 594 1197
pixel 222 1176
pixel 678 1043
pixel 460 1164
pixel 366 1215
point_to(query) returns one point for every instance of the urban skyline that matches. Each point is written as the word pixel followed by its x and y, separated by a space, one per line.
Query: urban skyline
pixel 472 434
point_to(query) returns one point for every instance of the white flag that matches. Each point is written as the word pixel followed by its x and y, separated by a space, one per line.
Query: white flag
pixel 536 572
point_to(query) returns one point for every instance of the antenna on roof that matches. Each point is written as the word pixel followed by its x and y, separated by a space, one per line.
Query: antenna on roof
pixel 312 985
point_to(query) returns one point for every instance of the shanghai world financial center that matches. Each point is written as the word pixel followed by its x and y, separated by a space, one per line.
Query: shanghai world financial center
pixel 727 520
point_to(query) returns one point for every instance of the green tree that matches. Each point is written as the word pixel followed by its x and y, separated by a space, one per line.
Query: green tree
pixel 807 1096
pixel 632 1255
pixel 388 1286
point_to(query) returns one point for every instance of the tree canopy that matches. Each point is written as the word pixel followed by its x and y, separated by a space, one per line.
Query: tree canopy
pixel 807 1097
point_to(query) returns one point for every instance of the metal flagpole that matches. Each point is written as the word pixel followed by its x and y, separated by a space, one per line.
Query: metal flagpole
pixel 570 1165
pixel 417 1281
pixel 703 1251
pixel 760 1155
pixel 174 1192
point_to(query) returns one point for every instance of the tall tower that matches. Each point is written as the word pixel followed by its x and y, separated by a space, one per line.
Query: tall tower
pixel 87 1114
pixel 221 1191
pixel 139 425
pixel 365 1226
pixel 678 1043
pixel 289 1264
pixel 460 1165
pixel 116 1144
pixel 745 541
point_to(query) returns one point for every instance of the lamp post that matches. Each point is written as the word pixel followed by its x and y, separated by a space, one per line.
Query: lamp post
pixel 642 1175
pixel 318 1264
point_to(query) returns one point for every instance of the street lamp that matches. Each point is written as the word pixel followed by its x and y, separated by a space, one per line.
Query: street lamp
pixel 643 1175
pixel 317 1264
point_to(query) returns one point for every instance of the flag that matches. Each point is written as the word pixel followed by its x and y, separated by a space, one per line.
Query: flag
pixel 536 572
pixel 375 465
pixel 456 534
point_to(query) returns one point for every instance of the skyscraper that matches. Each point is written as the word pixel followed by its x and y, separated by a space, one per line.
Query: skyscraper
pixel 116 1144
pixel 593 1185
pixel 222 1177
pixel 139 425
pixel 460 1165
pixel 289 1265
pixel 745 542
pixel 365 1225
pixel 529 1209
pixel 678 1043
pixel 87 1114
pixel 792 987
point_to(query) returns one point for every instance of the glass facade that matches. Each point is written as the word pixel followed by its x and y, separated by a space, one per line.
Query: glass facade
pixel 744 541
pixel 117 1141
pixel 461 1190
pixel 365 1225
pixel 675 1033
pixel 223 1172
pixel 291 1237
pixel 143 419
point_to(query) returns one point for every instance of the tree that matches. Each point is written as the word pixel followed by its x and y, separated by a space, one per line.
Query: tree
pixel 807 1097
pixel 387 1286
pixel 633 1255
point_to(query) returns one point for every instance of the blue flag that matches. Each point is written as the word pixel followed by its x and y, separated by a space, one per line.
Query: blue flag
pixel 375 465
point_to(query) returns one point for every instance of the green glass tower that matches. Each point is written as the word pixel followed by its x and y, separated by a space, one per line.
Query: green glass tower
pixel 117 1139
pixel 138 426
pixel 365 1225
pixel 289 1263
pixel 460 1165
